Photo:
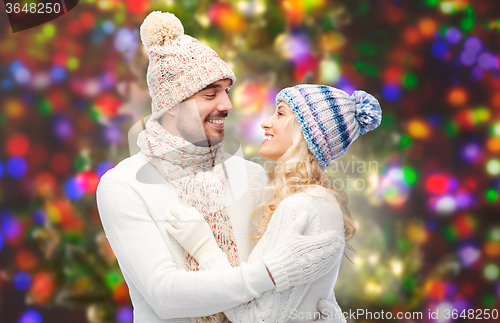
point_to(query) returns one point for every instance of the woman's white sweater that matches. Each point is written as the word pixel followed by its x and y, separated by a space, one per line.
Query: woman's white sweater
pixel 297 303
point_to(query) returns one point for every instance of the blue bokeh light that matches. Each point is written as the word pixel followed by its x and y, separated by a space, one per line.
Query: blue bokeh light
pixel 125 314
pixel 7 84
pixel 39 217
pixel 11 227
pixel 31 316
pixel 16 167
pixel 453 35
pixel 22 280
pixel 391 92
pixel 439 49
pixel 58 73
pixel 108 27
pixel 72 189
pixel 103 167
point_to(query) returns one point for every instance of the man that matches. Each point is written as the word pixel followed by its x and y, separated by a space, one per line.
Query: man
pixel 182 149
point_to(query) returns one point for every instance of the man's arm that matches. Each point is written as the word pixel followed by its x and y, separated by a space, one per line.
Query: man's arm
pixel 271 307
pixel 144 256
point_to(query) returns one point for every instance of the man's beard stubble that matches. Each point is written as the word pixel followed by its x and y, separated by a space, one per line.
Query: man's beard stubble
pixel 189 130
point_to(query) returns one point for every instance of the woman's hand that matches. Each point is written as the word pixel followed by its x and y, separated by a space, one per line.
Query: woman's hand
pixel 297 259
pixel 189 228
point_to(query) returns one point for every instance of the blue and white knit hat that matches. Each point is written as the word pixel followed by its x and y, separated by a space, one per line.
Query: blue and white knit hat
pixel 330 119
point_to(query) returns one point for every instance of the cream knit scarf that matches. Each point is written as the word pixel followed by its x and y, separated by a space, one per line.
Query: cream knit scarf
pixel 198 174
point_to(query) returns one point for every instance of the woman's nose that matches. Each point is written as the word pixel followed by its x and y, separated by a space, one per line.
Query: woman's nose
pixel 266 124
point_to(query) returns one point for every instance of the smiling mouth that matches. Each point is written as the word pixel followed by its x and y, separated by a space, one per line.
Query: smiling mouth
pixel 268 138
pixel 217 123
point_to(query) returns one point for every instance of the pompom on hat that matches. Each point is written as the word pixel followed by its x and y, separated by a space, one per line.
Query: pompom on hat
pixel 160 26
pixel 179 65
pixel 330 119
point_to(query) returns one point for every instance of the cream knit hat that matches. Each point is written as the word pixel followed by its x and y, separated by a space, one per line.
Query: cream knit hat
pixel 179 65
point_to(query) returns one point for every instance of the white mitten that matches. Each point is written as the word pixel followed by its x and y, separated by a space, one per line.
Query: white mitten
pixel 331 311
pixel 189 228
pixel 297 259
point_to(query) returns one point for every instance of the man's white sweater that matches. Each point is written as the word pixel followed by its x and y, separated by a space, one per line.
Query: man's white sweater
pixel 133 198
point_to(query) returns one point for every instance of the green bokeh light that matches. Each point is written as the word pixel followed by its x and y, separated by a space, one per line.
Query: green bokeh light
pixel 388 121
pixel 410 282
pixel 491 195
pixel 82 162
pixel 410 175
pixel 467 23
pixel 405 141
pixel 491 272
pixel 310 5
pixel 119 17
pixel 362 8
pixel 403 244
pixel 495 129
pixel 389 298
pixel 366 48
pixel 489 300
pixel 410 80
pixel 44 107
pixel 367 68
pixel 73 63
pixel 72 237
pixel 450 234
pixel 432 3
pixel 49 30
pixel 451 128
pixel 482 114
pixel 112 279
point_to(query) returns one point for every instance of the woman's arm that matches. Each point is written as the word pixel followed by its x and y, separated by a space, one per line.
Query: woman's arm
pixel 144 256
pixel 274 306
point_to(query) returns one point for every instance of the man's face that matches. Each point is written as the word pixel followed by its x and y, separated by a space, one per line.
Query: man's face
pixel 210 106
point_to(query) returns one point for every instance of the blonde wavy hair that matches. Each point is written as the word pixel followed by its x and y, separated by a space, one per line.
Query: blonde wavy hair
pixel 293 173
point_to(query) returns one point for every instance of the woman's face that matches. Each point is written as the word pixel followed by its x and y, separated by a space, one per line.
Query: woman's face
pixel 277 138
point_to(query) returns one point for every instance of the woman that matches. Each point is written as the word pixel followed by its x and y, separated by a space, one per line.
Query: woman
pixel 312 125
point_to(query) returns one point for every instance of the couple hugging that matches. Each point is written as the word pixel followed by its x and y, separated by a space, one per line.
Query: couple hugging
pixel 203 236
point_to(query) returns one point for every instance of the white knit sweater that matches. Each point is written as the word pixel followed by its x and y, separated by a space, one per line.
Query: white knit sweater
pixel 132 199
pixel 297 304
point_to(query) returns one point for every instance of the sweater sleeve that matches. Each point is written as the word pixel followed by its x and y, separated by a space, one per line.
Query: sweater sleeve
pixel 274 306
pixel 143 254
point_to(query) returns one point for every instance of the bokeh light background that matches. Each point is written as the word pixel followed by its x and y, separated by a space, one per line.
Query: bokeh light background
pixel 428 214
